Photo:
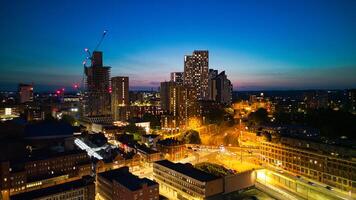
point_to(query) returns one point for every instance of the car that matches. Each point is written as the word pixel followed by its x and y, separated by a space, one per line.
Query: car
pixel 311 183
pixel 329 187
pixel 190 148
pixel 298 176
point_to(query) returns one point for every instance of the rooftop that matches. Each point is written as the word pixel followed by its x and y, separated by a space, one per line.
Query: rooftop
pixel 188 170
pixel 54 190
pixel 125 178
pixel 48 130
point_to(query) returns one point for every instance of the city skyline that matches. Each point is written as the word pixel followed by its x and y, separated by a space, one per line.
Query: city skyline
pixel 261 45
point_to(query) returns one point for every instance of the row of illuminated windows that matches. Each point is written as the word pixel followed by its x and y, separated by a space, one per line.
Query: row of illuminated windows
pixel 312 163
pixel 179 185
pixel 178 178
pixel 285 151
pixel 312 173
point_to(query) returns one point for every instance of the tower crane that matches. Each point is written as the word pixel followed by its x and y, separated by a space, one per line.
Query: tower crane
pixel 89 56
pixel 89 53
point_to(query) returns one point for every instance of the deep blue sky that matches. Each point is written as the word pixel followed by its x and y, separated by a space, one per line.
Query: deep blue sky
pixel 286 44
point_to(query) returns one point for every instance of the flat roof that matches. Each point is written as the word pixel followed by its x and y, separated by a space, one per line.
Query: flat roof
pixel 54 190
pixel 125 178
pixel 188 170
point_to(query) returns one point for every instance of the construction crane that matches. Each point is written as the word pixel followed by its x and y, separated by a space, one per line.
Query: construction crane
pixel 89 54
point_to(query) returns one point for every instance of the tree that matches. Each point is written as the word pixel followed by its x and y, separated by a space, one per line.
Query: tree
pixel 220 115
pixel 258 117
pixel 192 137
pixel 215 116
pixel 154 120
pixel 132 128
pixel 331 123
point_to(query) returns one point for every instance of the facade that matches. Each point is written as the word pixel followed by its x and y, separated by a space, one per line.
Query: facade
pixel 169 123
pixel 124 113
pixel 171 149
pixel 223 88
pixel 82 189
pixel 212 84
pixel 148 155
pixel 177 77
pixel 196 73
pixel 97 97
pixel 183 181
pixel 25 93
pixel 164 95
pixel 120 184
pixel 182 103
pixel 220 87
pixel 311 160
pixel 42 171
pixel 119 94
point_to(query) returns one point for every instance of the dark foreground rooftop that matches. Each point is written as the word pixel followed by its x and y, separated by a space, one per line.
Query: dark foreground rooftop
pixel 125 178
pixel 55 189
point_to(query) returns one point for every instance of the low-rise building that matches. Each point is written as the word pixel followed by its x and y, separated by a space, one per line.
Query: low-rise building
pixel 171 149
pixel 120 184
pixel 148 155
pixel 42 169
pixel 183 181
pixel 332 165
pixel 83 189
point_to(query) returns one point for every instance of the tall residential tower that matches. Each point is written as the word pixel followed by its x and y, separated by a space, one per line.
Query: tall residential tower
pixel 196 73
pixel 119 94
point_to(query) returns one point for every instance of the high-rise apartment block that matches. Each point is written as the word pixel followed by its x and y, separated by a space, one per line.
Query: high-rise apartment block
pixel 177 77
pixel 182 103
pixel 196 73
pixel 119 94
pixel 164 95
pixel 25 93
pixel 212 92
pixel 220 87
pixel 97 99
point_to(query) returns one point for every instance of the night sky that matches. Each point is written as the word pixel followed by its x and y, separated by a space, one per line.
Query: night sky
pixel 261 45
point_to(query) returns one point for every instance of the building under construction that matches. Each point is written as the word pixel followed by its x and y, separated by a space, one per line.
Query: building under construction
pixel 97 96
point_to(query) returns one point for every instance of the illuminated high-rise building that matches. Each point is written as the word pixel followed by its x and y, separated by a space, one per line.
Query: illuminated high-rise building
pixel 196 73
pixel 182 103
pixel 25 93
pixel 97 99
pixel 119 94
pixel 177 77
